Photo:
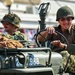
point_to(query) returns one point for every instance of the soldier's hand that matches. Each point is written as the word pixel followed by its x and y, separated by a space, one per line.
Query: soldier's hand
pixel 51 30
pixel 57 43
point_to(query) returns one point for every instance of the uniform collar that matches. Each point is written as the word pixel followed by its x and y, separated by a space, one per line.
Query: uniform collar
pixel 69 30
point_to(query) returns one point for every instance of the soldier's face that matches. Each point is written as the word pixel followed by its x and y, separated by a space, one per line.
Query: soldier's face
pixel 9 27
pixel 65 23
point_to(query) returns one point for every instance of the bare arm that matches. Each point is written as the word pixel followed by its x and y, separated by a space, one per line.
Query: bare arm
pixel 43 37
pixel 49 30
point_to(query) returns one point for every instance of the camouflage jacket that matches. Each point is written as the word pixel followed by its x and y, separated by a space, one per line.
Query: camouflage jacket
pixel 17 36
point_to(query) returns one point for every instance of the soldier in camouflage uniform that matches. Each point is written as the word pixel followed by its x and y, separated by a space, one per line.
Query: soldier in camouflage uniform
pixel 64 17
pixel 11 23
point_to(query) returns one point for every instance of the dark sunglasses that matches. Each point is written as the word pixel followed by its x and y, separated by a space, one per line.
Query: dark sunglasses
pixel 68 19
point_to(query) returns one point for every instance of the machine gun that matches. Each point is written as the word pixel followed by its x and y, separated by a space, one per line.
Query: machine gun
pixel 42 13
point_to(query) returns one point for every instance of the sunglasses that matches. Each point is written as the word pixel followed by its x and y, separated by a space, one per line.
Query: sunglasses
pixel 68 19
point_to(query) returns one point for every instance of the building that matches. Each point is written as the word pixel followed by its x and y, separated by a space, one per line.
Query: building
pixel 27 10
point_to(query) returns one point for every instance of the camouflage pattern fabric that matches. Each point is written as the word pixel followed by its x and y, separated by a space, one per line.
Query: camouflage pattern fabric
pixel 71 61
pixel 12 18
pixel 17 36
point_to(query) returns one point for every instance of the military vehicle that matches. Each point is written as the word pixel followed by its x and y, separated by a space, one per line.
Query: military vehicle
pixel 38 60
pixel 32 61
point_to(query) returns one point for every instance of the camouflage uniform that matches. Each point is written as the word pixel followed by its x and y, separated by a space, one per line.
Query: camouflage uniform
pixel 14 20
pixel 68 60
pixel 17 36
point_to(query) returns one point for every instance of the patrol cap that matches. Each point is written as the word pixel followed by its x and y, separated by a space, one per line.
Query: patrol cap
pixel 64 11
pixel 12 18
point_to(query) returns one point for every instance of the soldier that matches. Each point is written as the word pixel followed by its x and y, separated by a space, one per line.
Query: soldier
pixel 64 17
pixel 11 23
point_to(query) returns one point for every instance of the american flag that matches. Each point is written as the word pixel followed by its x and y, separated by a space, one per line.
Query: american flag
pixel 30 34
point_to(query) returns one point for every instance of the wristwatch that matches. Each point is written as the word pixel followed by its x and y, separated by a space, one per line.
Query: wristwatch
pixel 65 46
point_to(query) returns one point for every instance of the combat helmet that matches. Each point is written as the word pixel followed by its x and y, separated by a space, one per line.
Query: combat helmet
pixel 12 18
pixel 64 11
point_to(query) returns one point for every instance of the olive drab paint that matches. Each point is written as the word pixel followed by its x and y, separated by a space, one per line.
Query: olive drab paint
pixel 64 11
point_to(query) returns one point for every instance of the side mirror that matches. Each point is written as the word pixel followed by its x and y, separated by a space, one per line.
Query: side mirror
pixel 71 49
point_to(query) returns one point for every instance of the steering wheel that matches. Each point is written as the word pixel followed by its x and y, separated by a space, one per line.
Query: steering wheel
pixel 39 33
